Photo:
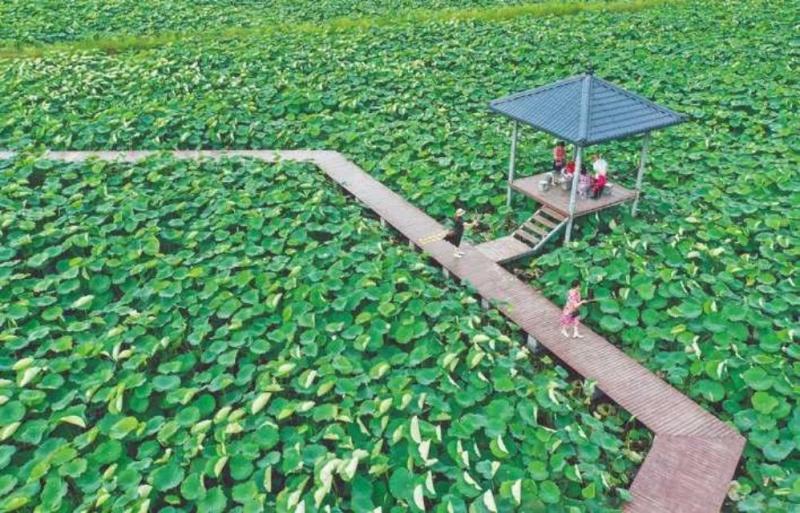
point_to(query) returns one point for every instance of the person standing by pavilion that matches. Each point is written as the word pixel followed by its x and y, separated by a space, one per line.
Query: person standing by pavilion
pixel 559 157
pixel 457 233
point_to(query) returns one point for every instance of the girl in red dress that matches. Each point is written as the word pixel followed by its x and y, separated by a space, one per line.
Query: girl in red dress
pixel 571 315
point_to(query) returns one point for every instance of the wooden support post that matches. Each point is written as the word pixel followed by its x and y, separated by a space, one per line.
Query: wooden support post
pixel 532 344
pixel 484 304
pixel 411 245
pixel 445 272
pixel 640 175
pixel 512 160
pixel 573 194
pixel 383 223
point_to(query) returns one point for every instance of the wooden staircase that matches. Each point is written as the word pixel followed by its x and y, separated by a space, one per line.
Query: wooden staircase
pixel 540 228
pixel 527 239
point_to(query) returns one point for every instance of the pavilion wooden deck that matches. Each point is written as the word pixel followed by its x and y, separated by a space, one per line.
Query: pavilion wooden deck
pixel 694 455
pixel 557 198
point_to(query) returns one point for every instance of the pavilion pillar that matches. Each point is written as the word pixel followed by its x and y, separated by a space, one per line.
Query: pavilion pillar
pixel 640 174
pixel 573 193
pixel 512 160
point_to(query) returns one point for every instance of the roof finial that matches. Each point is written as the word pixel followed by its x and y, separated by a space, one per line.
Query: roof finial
pixel 589 70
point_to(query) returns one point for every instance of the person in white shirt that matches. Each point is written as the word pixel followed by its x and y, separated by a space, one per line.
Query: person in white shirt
pixel 600 167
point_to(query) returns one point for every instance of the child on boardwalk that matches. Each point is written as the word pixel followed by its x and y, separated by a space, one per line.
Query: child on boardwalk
pixel 571 315
pixel 456 234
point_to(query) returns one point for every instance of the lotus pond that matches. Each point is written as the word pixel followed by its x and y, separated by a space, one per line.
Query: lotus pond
pixel 47 22
pixel 702 287
pixel 231 336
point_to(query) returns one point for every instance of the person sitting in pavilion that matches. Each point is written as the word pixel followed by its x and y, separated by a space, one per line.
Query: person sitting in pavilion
pixel 566 172
pixel 600 167
pixel 584 183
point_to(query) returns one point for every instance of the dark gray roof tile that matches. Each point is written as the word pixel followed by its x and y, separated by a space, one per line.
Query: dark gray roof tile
pixel 607 112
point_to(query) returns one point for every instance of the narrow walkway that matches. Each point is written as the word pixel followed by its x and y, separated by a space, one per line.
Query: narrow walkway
pixel 694 454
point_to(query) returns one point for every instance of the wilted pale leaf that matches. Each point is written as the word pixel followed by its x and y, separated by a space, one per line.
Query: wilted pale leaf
pixel 488 501
pixel 419 497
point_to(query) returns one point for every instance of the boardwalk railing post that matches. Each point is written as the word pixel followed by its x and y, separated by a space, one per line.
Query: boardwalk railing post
pixel 573 193
pixel 512 159
pixel 532 343
pixel 640 174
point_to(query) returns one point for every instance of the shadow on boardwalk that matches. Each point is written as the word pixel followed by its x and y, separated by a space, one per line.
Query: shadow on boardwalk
pixel 694 454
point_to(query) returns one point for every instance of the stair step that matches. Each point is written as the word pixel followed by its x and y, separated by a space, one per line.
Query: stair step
pixel 553 214
pixel 533 227
pixel 543 220
pixel 527 236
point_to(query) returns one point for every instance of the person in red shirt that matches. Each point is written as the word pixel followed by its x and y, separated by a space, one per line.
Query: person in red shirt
pixel 559 157
pixel 600 179
pixel 565 177
pixel 569 169
pixel 598 185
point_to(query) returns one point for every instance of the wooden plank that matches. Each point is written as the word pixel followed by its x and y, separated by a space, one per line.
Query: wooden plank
pixel 503 249
pixel 536 228
pixel 543 220
pixel 527 236
pixel 553 214
pixel 698 467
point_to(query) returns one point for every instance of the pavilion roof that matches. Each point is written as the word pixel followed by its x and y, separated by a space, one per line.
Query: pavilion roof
pixel 586 110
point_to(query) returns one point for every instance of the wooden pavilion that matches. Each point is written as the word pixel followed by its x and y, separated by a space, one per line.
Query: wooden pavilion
pixel 582 110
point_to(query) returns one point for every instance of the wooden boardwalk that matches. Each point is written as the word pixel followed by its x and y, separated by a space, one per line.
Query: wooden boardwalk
pixel 694 454
pixel 504 249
